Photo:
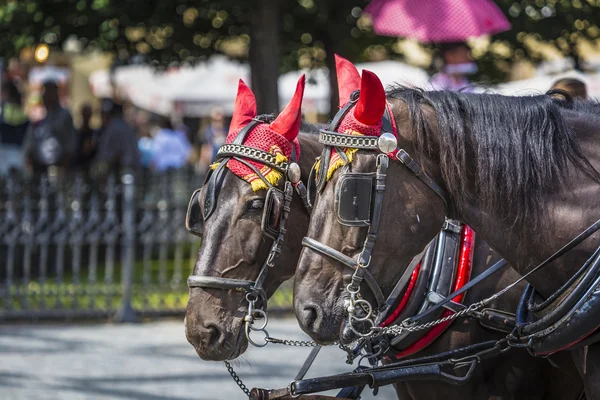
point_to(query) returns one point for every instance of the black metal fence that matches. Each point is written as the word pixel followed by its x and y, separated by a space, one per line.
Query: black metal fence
pixel 72 247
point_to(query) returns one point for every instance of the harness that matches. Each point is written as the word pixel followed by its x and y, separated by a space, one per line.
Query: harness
pixel 570 315
pixel 275 213
pixel 563 320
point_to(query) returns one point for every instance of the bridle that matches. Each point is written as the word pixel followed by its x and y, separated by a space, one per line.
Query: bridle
pixel 275 213
pixel 360 310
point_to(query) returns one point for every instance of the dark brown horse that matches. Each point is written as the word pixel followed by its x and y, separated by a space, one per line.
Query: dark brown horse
pixel 520 171
pixel 214 317
pixel 234 244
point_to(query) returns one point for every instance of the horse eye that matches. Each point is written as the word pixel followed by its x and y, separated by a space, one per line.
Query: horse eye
pixel 256 204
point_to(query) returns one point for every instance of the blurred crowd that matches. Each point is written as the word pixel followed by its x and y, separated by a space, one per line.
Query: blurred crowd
pixel 119 143
pixel 123 141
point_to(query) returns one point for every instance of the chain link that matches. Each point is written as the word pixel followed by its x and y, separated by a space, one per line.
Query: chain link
pixel 237 379
pixel 403 327
pixel 298 343
pixel 310 343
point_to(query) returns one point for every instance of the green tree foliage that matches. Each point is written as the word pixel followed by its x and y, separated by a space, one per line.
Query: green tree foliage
pixel 187 30
pixel 165 31
pixel 541 27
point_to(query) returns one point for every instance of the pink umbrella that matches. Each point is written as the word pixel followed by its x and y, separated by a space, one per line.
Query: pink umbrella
pixel 436 20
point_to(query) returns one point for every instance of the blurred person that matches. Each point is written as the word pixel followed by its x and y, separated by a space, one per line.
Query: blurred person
pixel 574 87
pixel 146 147
pixel 13 128
pixel 86 139
pixel 117 142
pixel 51 141
pixel 214 137
pixel 171 148
pixel 456 65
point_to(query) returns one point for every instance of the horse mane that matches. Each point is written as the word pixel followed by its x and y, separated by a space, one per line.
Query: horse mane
pixel 519 147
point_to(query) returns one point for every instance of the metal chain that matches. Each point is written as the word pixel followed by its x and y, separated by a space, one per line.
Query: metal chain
pixel 237 379
pixel 286 342
pixel 309 343
pixel 299 343
pixel 403 327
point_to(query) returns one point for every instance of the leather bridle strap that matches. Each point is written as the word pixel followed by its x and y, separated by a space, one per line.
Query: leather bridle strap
pixel 213 282
pixel 343 259
pixel 411 164
pixel 331 138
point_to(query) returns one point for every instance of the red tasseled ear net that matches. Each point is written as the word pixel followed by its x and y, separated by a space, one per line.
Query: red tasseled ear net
pixel 244 109
pixel 348 78
pixel 287 123
pixel 371 103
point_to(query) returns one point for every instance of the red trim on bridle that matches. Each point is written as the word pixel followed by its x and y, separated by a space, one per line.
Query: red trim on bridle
pixel 463 275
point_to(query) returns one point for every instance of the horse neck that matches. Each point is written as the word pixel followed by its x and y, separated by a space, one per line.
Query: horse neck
pixel 568 210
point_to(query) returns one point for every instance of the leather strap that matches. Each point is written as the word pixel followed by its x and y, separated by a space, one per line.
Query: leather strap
pixel 343 259
pixel 214 282
pixel 308 362
pixel 411 164
pixel 479 278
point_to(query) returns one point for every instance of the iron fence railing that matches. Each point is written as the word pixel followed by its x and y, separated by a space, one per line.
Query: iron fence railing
pixel 73 247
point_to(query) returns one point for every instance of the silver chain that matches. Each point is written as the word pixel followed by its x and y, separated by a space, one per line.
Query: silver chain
pixel 407 327
pixel 237 379
pixel 285 342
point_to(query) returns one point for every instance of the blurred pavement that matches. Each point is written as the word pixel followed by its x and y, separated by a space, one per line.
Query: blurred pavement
pixel 150 361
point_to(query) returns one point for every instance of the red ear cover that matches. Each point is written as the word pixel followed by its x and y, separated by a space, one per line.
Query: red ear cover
pixel 348 78
pixel 287 123
pixel 244 109
pixel 371 104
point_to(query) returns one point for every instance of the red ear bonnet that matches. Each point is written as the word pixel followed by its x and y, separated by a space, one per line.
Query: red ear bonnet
pixel 348 79
pixel 287 123
pixel 244 109
pixel 371 104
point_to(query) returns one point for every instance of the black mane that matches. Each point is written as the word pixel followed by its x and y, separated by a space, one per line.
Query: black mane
pixel 519 146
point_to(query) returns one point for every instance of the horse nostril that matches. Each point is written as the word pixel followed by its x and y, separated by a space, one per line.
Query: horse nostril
pixel 213 335
pixel 311 317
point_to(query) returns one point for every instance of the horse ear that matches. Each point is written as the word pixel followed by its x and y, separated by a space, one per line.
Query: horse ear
pixel 348 78
pixel 244 109
pixel 287 123
pixel 371 103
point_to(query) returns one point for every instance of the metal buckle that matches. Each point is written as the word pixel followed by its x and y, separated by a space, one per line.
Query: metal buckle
pixel 452 226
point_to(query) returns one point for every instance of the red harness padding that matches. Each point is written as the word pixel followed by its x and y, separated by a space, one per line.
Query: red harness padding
pixel 463 275
pixel 405 297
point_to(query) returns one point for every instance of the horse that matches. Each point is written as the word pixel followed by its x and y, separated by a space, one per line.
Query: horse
pixel 522 171
pixel 214 317
pixel 234 247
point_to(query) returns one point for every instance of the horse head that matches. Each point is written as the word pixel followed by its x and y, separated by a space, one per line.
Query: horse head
pixel 239 212
pixel 345 207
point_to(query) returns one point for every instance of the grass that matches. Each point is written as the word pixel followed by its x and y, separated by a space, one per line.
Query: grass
pixel 158 286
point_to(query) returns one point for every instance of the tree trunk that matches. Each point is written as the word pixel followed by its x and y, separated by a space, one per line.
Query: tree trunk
pixel 332 43
pixel 264 54
pixel 330 49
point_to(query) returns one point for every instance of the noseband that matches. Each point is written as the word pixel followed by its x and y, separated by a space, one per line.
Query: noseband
pixel 366 212
pixel 275 214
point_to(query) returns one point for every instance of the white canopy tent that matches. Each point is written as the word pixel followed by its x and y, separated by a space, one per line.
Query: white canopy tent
pixel 542 83
pixel 194 91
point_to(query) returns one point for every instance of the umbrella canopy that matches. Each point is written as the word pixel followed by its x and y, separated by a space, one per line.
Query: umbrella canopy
pixel 436 20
